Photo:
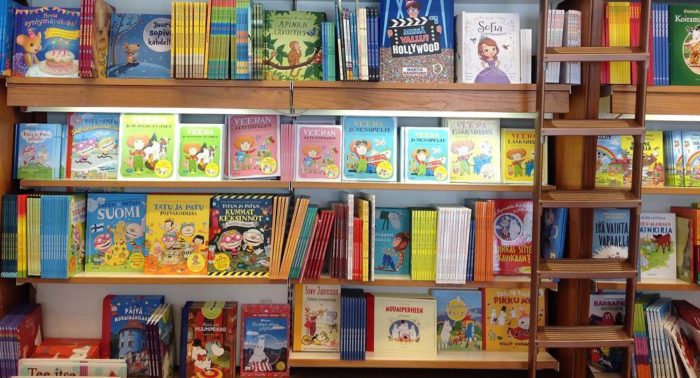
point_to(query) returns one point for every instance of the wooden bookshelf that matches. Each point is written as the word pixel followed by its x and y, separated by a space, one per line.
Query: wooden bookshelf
pixel 649 285
pixel 148 184
pixel 662 100
pixel 511 282
pixel 410 186
pixel 126 279
pixel 443 360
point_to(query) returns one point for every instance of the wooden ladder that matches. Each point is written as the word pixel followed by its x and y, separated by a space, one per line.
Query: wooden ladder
pixel 585 336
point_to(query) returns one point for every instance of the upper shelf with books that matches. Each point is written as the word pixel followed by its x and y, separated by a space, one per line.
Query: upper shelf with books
pixel 661 100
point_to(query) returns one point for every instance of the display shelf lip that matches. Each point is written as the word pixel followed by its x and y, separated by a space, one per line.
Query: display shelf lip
pixel 142 279
pixel 689 89
pixel 649 284
pixel 175 184
pixel 425 86
pixel 498 281
pixel 376 185
pixel 671 190
pixel 443 360
pixel 177 83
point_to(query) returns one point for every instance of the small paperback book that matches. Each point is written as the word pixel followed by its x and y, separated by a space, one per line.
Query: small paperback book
pixel 607 310
pixel 115 232
pixel 425 155
pixel 392 242
pixel 293 45
pixel 253 146
pixel 459 319
pixel 318 149
pixel 508 325
pixel 513 243
pixel 316 318
pixel 369 148
pixel 518 156
pixel 146 146
pixel 93 146
pixel 38 151
pixel 404 325
pixel 139 46
pixel 657 245
pixel 264 340
pixel 209 339
pixel 474 150
pixel 200 151
pixel 611 228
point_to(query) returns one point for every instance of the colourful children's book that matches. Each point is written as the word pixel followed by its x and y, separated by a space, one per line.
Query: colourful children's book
pixel 513 243
pixel 507 326
pixel 208 339
pixel 318 149
pixel 657 245
pixel 264 340
pixel 459 319
pixel 53 367
pixel 147 146
pixel 178 231
pixel 425 155
pixel 691 158
pixel 607 309
pixel 65 348
pixel 253 146
pixel 139 46
pixel 392 241
pixel 673 151
pixel 47 41
pixel 518 156
pixel 200 151
pixel 611 161
pixel 240 234
pixel 554 222
pixel 93 146
pixel 474 149
pixel 653 166
pixel 684 44
pixel 293 45
pixel 404 325
pixel 611 228
pixel 38 151
pixel 115 234
pixel 316 318
pixel 369 148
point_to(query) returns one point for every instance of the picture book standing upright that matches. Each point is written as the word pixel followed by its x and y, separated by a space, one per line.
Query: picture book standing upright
pixel 691 158
pixel 293 45
pixel 253 145
pixel 208 339
pixel 611 161
pixel 513 243
pixel 7 43
pixel 416 41
pixel 316 318
pixel 392 238
pixel 115 232
pixel 318 152
pixel 424 155
pixel 459 319
pixel 139 46
pixel 147 146
pixel 611 229
pixel 369 148
pixel 657 245
pixel 38 151
pixel 264 340
pixel 200 151
pixel 404 325
pixel 93 146
pixel 474 149
pixel 607 309
pixel 518 156
pixel 507 325
pixel 684 44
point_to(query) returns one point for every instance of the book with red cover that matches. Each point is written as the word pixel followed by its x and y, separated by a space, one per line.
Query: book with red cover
pixel 327 217
pixel 512 226
pixel 68 348
pixel 357 249
pixel 265 340
pixel 29 331
pixel 694 216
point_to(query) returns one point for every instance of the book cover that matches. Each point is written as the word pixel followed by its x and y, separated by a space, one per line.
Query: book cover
pixel 369 148
pixel 508 326
pixel 139 46
pixel 554 224
pixel 691 158
pixel 607 309
pixel 6 30
pixel 653 166
pixel 177 236
pixel 253 146
pixel 474 150
pixel 392 238
pixel 417 41
pixel 115 233
pixel 673 158
pixel 293 45
pixel 93 151
pixel 518 156
pixel 425 154
pixel 240 233
pixel 200 151
pixel 657 245
pixel 146 148
pixel 210 339
pixel 684 44
pixel 318 149
pixel 264 340
pixel 52 367
pixel 459 319
pixel 611 228
pixel 489 50
pixel 316 318
pixel 404 325
pixel 47 40
pixel 38 151
pixel 612 160
pixel 513 243
pixel 68 348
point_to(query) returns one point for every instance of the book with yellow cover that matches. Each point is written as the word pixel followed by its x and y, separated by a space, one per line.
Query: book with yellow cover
pixel 316 318
pixel 423 244
pixel 474 150
pixel 653 171
pixel 362 212
pixel 404 325
pixel 518 156
pixel 507 318
pixel 177 236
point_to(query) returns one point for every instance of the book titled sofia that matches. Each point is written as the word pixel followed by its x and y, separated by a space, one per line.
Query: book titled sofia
pixel 265 340
pixel 369 148
pixel 318 152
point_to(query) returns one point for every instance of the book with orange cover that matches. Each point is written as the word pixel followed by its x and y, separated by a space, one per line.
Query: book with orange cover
pixel 68 348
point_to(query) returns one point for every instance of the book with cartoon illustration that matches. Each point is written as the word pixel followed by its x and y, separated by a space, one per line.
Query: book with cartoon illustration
pixel 139 46
pixel 76 367
pixel 252 143
pixel 673 158
pixel 475 154
pixel 115 234
pixel 684 43
pixel 691 158
pixel 657 245
pixel 318 150
pixel 459 319
pixel 405 325
pixel 177 234
pixel 38 151
pixel 147 149
pixel 264 340
pixel 653 171
pixel 93 146
pixel 488 48
pixel 208 339
pixel 424 155
pixel 611 228
pixel 293 45
pixel 607 309
pixel 518 156
pixel 369 148
pixel 240 233
pixel 200 151
pixel 392 242
pixel 513 243
pixel 611 161
pixel 66 348
pixel 46 42
pixel 316 318
pixel 507 318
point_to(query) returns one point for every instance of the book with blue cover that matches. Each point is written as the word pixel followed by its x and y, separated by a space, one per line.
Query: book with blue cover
pixel 115 235
pixel 459 319
pixel 139 46
pixel 554 224
pixel 611 229
pixel 424 155
pixel 392 238
pixel 369 148
pixel 93 146
pixel 62 235
pixel 38 151
pixel 7 16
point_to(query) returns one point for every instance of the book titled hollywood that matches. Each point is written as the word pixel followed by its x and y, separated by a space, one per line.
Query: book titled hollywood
pixel 139 46
pixel 318 148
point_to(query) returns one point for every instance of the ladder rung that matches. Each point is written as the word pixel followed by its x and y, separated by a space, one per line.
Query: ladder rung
pixel 592 127
pixel 590 199
pixel 583 337
pixel 595 54
pixel 586 268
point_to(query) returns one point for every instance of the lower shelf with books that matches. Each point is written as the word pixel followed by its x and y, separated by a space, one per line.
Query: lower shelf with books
pixel 443 360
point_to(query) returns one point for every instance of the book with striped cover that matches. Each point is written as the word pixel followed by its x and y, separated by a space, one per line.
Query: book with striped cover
pixel 243 49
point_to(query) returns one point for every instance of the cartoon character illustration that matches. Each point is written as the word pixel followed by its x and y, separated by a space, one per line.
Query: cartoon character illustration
pixel 360 150
pixel 230 241
pixel 191 151
pixel 245 146
pixel 550 231
pixel 445 334
pixel 205 156
pixel 202 362
pixel 80 353
pixel 522 331
pixel 502 317
pixel 488 51
pixel 310 323
pixel 130 51
pixel 399 245
pixel 464 150
pixel 693 45
pixel 517 158
pixel 105 147
pixel 137 143
pixel 31 43
pixel 259 360
pixel 293 57
pixel 102 243
pixel 28 155
pixel 312 158
pixel 412 8
pixel 420 158
pixel 83 149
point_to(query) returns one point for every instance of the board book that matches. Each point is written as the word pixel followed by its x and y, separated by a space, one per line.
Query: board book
pixel 38 151
pixel 404 325
pixel 474 150
pixel 264 340
pixel 253 146
pixel 146 148
pixel 369 149
pixel 425 155
pixel 316 318
pixel 139 46
pixel 318 150
pixel 93 146
pixel 201 151
pixel 507 327
pixel 459 319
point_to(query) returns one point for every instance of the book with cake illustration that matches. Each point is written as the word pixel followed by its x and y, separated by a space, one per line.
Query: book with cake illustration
pixel 93 141
pixel 47 41
pixel 139 46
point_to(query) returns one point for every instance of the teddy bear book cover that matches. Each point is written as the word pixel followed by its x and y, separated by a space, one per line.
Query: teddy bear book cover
pixel 46 42
pixel 139 46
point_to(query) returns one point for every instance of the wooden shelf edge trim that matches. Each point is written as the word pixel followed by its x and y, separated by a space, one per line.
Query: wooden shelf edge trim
pixel 676 285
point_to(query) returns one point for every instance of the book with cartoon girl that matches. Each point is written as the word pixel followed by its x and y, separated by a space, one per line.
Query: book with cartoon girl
pixel 474 150
pixel 200 151
pixel 147 148
pixel 424 155
pixel 518 156
pixel 252 142
pixel 93 146
pixel 369 152
pixel 318 149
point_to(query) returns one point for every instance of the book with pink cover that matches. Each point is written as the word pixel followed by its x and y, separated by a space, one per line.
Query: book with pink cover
pixel 253 146
pixel 318 150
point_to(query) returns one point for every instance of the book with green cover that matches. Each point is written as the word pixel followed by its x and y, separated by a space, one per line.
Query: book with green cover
pixel 200 151
pixel 304 241
pixel 293 45
pixel 146 146
pixel 684 44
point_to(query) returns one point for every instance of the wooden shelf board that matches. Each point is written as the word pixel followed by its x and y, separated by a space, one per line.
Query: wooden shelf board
pixel 125 279
pixel 650 285
pixel 671 190
pixel 443 360
pixel 410 186
pixel 499 281
pixel 69 183
pixel 662 100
